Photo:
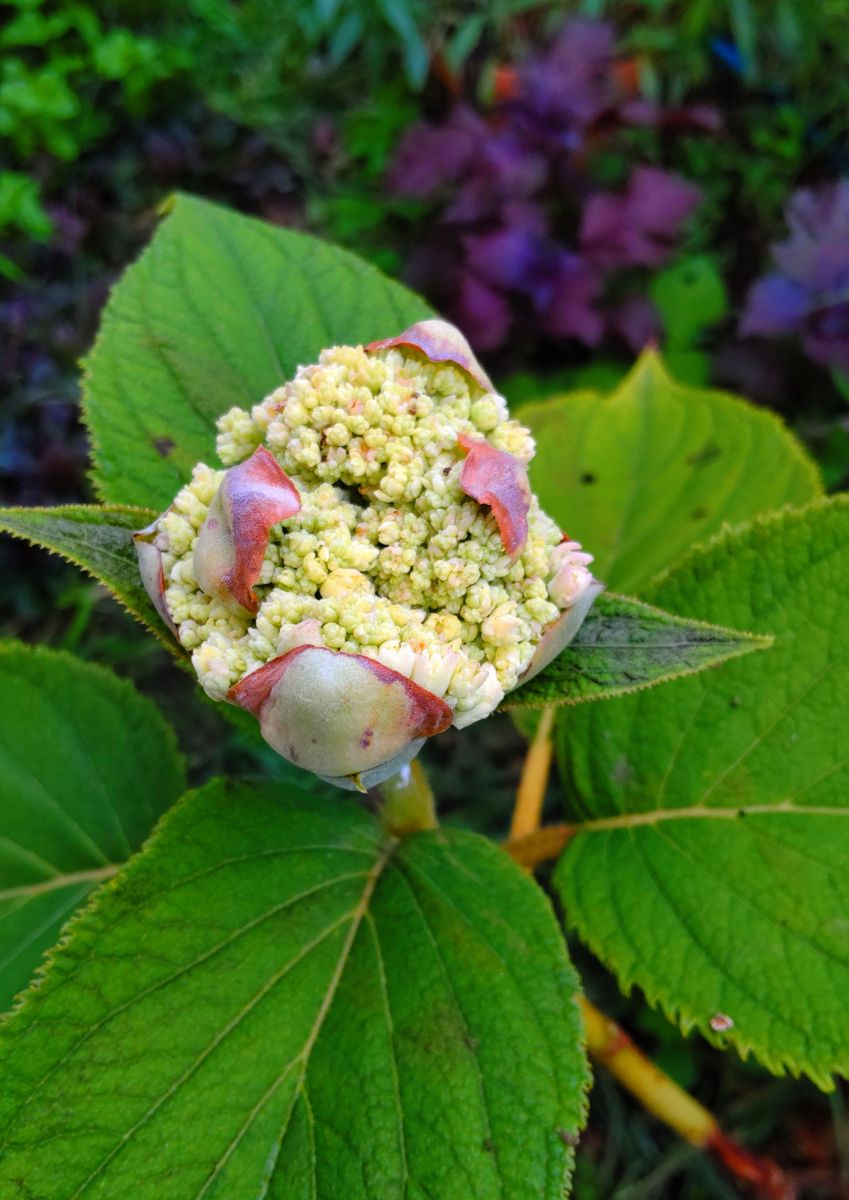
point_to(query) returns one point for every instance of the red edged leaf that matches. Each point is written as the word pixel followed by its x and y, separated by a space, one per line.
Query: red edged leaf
pixel 233 539
pixel 338 714
pixel 439 342
pixel 498 479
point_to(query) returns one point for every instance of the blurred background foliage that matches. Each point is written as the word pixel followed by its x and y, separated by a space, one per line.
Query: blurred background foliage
pixel 567 181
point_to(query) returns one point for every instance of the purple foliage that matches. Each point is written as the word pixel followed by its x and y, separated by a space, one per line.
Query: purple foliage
pixel 639 226
pixel 808 294
pixel 522 242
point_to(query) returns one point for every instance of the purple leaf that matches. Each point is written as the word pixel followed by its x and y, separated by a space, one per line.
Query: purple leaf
pixel 483 313
pixel 569 311
pixel 639 226
pixel 774 305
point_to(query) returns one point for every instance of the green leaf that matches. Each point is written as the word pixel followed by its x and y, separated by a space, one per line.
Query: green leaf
pixel 97 538
pixel 88 766
pixel 625 645
pixel 219 310
pixel 711 862
pixel 643 473
pixel 690 296
pixel 274 1000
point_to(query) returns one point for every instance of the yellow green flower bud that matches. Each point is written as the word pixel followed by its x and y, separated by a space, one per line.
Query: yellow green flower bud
pixel 373 565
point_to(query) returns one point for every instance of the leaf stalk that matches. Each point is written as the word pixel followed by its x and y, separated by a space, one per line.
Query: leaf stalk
pixel 535 773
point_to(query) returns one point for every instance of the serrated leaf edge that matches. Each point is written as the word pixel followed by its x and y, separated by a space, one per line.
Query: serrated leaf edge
pixel 686 1020
pixel 679 1014
pixel 9 647
pixel 756 641
pixel 146 515
pixel 779 516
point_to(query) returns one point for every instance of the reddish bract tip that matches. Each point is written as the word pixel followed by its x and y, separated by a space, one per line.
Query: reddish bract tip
pixel 233 539
pixel 439 342
pixel 338 714
pixel 496 478
pixel 152 572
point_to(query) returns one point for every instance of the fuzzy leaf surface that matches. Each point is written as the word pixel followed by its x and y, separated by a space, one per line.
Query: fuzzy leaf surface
pixel 219 310
pixel 87 766
pixel 641 474
pixel 625 645
pixel 97 538
pixel 274 1000
pixel 711 862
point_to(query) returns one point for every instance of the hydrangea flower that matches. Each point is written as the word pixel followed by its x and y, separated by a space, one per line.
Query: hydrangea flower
pixel 371 566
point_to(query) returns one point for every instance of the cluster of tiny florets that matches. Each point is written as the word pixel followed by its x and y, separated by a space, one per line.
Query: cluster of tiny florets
pixel 387 554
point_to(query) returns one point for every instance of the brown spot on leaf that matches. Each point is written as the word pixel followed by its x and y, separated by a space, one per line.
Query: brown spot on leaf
pixel 700 458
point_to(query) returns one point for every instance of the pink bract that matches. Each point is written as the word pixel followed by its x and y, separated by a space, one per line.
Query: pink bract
pixel 152 572
pixel 233 539
pixel 498 479
pixel 337 714
pixel 438 341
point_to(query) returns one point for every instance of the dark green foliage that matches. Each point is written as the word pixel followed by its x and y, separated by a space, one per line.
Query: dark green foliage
pixel 88 766
pixel 230 308
pixel 712 864
pixel 328 1013
pixel 97 538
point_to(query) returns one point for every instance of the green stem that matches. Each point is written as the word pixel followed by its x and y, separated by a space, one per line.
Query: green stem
pixel 406 802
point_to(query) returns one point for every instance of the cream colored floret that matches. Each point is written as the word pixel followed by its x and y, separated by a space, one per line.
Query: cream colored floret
pixel 387 556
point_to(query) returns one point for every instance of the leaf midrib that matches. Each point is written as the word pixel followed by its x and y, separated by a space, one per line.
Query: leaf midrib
pixel 355 916
pixel 29 890
pixel 702 812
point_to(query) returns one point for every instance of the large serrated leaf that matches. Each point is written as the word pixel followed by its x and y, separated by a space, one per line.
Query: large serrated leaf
pixel 640 475
pixel 275 1000
pixel 624 646
pixel 711 860
pixel 87 767
pixel 219 310
pixel 99 539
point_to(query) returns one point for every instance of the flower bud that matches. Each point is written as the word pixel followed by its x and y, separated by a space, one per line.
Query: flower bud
pixel 571 577
pixel 343 581
pixel 373 565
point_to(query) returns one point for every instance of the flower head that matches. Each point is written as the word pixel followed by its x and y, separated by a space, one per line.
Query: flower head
pixel 371 566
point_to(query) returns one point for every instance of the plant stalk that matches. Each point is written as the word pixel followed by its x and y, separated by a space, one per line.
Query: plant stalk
pixel 535 772
pixel 610 1046
pixel 406 802
pixel 540 845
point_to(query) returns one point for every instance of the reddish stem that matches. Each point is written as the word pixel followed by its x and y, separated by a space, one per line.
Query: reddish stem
pixel 764 1176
